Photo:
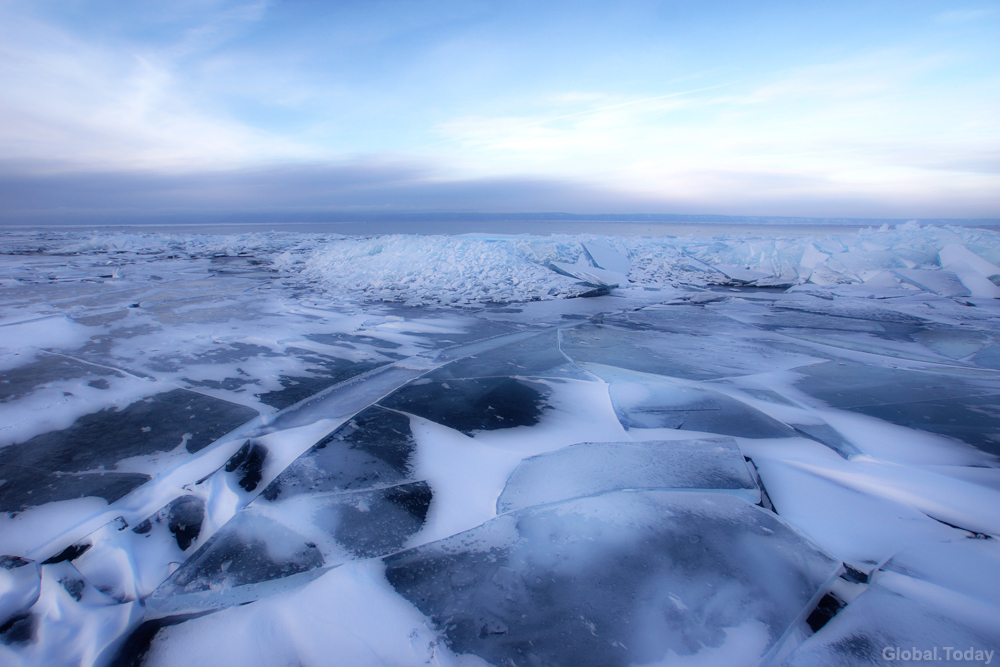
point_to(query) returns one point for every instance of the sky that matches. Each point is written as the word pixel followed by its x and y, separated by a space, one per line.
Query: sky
pixel 293 109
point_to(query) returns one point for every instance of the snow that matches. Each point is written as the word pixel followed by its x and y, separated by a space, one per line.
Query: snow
pixel 371 627
pixel 270 430
pixel 908 615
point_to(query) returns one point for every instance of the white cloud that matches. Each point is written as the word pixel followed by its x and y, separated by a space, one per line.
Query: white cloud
pixel 868 127
pixel 64 99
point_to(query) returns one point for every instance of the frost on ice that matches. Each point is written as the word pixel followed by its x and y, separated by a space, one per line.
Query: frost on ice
pixel 511 450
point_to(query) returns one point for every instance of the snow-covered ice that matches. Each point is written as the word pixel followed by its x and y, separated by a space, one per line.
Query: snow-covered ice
pixel 489 449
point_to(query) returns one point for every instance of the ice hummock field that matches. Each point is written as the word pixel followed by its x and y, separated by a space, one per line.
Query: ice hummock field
pixel 278 448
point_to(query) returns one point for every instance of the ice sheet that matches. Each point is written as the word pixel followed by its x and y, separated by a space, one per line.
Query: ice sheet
pixel 79 461
pixel 676 406
pixel 538 356
pixel 962 406
pixel 629 577
pixel 686 354
pixel 592 468
pixel 374 448
pixel 472 405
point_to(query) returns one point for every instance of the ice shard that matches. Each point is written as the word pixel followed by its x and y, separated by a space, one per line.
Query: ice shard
pixel 956 253
pixel 740 274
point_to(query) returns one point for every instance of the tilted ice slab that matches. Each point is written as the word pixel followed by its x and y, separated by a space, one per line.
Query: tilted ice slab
pixel 686 352
pixel 977 274
pixel 604 257
pixel 974 281
pixel 590 274
pixel 591 468
pixel 623 578
pixel 944 283
pixel 956 253
pixel 740 274
pixel 351 495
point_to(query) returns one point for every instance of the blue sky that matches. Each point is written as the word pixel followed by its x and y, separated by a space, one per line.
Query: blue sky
pixel 867 109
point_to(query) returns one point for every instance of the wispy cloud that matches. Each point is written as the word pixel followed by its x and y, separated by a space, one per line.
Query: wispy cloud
pixel 484 130
pixel 76 101
pixel 863 125
pixel 967 14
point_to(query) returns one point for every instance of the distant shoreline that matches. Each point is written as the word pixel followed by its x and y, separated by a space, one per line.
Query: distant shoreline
pixel 368 217
pixel 767 227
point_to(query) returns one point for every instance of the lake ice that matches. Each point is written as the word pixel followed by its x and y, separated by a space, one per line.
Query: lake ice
pixel 282 448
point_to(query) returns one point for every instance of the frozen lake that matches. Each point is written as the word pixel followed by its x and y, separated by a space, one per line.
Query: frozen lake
pixel 754 446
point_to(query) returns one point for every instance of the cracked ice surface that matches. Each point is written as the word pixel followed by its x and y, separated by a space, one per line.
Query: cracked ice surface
pixel 410 450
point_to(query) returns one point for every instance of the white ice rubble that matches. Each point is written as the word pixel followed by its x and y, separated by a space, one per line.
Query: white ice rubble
pixel 480 268
pixel 951 261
